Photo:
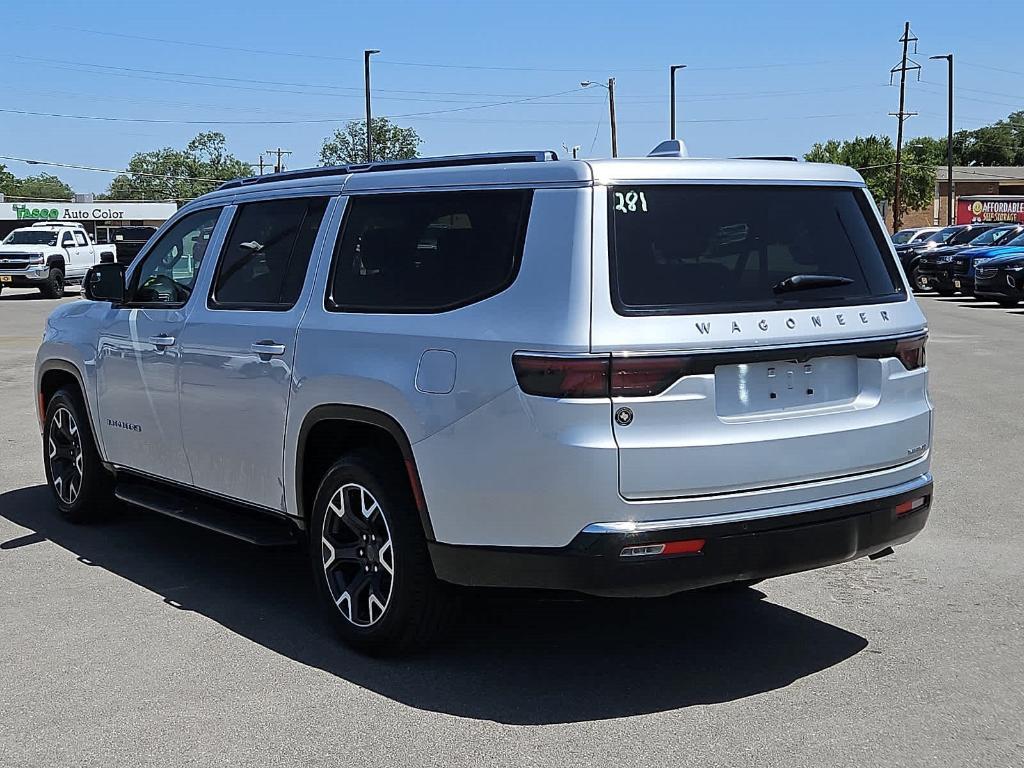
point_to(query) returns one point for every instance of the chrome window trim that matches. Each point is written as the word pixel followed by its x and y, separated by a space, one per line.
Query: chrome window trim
pixel 632 526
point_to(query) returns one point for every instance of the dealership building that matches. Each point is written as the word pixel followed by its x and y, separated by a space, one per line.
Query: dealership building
pixel 98 217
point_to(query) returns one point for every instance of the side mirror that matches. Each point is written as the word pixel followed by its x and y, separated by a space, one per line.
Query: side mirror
pixel 105 282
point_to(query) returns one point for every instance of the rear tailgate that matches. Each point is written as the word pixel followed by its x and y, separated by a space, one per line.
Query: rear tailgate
pixel 775 385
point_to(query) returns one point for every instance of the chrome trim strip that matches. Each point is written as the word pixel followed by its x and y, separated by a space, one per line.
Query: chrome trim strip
pixel 632 526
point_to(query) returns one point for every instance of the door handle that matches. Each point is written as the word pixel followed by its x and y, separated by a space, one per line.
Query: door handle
pixel 267 349
pixel 162 341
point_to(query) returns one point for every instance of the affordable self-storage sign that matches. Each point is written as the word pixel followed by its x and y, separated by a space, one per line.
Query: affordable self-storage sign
pixel 970 210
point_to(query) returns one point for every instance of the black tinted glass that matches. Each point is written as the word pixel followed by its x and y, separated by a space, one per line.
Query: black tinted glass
pixel 167 273
pixel 962 238
pixel 428 252
pixel 266 256
pixel 711 248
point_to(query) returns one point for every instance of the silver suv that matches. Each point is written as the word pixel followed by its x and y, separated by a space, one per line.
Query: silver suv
pixel 623 377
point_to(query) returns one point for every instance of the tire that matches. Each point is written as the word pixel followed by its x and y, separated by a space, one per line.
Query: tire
pixel 1008 303
pixel 916 279
pixel 380 598
pixel 81 486
pixel 53 288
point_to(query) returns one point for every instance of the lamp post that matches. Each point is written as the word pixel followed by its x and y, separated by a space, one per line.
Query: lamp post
pixel 672 96
pixel 611 109
pixel 949 140
pixel 366 79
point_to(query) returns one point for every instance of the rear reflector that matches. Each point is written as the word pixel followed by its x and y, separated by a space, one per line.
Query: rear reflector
pixel 909 506
pixel 688 547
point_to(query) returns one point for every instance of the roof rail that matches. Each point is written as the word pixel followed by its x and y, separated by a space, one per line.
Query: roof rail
pixel 786 158
pixel 448 161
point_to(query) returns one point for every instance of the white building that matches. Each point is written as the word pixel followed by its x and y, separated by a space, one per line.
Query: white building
pixel 98 217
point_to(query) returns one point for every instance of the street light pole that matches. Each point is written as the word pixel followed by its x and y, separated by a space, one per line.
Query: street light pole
pixel 611 109
pixel 672 96
pixel 366 79
pixel 949 140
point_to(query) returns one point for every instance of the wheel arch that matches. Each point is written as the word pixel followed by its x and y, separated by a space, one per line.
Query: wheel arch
pixel 56 260
pixel 343 428
pixel 55 374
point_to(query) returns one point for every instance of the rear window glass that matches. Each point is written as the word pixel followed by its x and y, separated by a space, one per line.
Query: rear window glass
pixel 686 249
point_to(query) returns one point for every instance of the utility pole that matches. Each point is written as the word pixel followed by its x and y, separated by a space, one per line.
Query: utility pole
pixel 366 80
pixel 903 67
pixel 672 96
pixel 949 141
pixel 262 164
pixel 611 111
pixel 279 166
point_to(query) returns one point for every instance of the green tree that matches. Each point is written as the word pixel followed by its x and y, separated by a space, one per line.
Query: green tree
pixel 7 181
pixel 390 142
pixel 45 186
pixel 874 157
pixel 178 174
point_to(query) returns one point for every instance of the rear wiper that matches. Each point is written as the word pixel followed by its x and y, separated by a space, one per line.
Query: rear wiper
pixel 806 282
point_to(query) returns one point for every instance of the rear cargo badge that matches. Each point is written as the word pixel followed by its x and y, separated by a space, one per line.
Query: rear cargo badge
pixel 624 417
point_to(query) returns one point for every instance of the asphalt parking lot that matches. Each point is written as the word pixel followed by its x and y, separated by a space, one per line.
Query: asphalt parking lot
pixel 142 641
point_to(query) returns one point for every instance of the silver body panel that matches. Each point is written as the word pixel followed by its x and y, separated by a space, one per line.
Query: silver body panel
pixel 497 466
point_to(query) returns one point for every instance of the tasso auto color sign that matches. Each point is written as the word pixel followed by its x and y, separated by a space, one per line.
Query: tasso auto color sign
pixel 970 210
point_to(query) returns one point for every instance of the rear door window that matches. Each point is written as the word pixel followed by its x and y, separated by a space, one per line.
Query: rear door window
pixel 685 249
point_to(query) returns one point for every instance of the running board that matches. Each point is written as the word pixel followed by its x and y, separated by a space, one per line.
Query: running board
pixel 252 526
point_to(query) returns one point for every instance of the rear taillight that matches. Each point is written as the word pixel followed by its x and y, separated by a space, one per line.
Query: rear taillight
pixel 911 352
pixel 551 376
pixel 641 376
pixel 562 376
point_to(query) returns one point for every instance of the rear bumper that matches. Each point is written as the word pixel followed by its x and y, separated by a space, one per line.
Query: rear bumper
pixel 757 548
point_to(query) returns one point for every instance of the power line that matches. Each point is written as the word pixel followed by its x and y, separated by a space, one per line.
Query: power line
pixel 108 170
pixel 176 121
pixel 429 65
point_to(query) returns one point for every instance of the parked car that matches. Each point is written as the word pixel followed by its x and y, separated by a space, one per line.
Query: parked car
pixel 909 253
pixel 624 377
pixel 49 255
pixel 1001 278
pixel 129 241
pixel 947 269
pixel 913 235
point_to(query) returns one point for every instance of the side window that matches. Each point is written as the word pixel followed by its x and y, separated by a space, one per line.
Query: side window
pixel 427 252
pixel 264 262
pixel 80 239
pixel 168 272
pixel 67 241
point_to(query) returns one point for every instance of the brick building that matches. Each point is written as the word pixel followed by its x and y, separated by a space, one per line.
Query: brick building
pixel 968 181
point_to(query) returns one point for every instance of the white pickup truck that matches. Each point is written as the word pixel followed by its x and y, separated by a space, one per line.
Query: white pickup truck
pixel 48 255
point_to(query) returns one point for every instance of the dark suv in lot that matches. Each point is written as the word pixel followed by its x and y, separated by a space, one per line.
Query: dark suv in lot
pixel 910 253
pixel 950 268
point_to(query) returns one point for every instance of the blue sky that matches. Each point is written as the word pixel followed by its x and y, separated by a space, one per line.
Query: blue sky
pixel 763 77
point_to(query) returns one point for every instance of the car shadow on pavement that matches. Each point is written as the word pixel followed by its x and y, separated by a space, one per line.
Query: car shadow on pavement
pixel 508 658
